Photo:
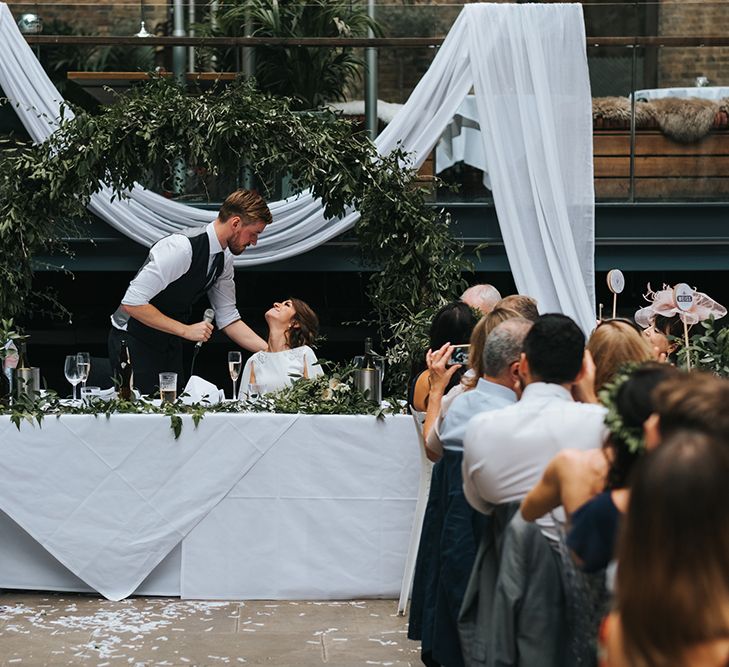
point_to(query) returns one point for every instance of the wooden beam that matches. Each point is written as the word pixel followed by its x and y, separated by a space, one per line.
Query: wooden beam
pixel 334 42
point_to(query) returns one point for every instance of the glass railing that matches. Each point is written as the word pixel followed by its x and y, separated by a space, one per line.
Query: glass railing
pixel 646 149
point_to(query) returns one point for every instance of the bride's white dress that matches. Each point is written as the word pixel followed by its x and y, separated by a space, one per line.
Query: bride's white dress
pixel 276 370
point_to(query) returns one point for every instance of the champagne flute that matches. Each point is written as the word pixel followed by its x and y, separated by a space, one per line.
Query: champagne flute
pixel 84 366
pixel 235 363
pixel 72 372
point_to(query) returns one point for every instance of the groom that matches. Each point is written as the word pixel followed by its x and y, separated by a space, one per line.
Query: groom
pixel 154 313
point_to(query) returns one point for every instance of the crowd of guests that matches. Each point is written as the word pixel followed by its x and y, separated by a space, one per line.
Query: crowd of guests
pixel 579 504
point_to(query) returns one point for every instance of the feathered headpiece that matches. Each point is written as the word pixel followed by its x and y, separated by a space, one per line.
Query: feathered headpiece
pixel 663 303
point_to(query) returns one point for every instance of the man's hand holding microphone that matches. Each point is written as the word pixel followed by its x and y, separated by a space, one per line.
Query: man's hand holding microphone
pixel 200 332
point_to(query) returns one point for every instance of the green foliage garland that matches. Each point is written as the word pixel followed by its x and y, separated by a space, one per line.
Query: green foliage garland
pixel 334 394
pixel 45 188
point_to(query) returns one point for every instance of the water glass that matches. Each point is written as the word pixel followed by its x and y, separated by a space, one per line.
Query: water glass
pixel 71 371
pixel 168 387
pixel 84 365
pixel 235 363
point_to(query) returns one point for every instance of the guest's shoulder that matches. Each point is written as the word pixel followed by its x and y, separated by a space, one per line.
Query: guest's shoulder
pixel 586 410
pixel 492 421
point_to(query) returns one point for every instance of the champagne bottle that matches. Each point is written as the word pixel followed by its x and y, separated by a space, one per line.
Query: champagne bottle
pixel 125 372
pixel 4 387
pixel 23 354
pixel 369 360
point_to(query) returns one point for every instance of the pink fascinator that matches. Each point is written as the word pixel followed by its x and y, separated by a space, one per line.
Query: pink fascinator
pixel 663 303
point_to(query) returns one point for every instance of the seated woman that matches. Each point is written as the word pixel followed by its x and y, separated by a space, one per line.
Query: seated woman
pixel 673 580
pixel 292 328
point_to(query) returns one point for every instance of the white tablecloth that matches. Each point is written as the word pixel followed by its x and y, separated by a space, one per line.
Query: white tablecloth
pixel 262 506
pixel 706 93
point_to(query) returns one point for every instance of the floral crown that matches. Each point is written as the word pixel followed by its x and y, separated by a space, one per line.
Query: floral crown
pixel 663 302
pixel 632 436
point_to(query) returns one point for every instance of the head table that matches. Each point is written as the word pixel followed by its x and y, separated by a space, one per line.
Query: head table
pixel 241 506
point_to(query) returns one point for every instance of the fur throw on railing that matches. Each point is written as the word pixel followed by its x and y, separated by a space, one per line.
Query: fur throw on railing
pixel 684 120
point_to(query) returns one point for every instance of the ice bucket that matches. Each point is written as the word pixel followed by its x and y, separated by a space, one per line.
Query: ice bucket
pixel 369 382
pixel 26 381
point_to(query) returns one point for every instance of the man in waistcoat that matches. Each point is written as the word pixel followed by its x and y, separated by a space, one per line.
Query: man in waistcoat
pixel 154 313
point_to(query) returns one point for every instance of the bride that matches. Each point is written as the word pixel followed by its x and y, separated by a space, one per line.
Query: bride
pixel 292 327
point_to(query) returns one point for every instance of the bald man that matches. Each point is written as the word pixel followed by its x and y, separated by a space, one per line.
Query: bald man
pixel 481 297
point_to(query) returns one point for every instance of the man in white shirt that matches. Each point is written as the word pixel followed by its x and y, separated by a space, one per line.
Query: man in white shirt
pixel 507 450
pixel 153 317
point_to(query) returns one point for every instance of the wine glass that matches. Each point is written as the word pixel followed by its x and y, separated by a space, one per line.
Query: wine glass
pixel 235 363
pixel 72 372
pixel 83 359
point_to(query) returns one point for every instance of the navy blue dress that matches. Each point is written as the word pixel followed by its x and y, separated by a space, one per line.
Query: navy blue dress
pixel 594 532
pixel 451 533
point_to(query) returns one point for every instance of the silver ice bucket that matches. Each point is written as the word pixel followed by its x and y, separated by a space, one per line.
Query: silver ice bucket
pixel 26 381
pixel 369 382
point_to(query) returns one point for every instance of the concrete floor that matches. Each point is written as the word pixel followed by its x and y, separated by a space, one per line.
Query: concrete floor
pixel 69 629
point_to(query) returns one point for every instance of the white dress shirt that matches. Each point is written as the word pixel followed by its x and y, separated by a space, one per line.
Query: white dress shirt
pixel 276 370
pixel 507 450
pixel 171 258
pixel 450 428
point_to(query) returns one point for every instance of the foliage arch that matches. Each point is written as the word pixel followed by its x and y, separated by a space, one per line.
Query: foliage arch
pixel 417 263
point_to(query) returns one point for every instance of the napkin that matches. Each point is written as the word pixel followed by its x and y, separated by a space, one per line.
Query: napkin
pixel 201 391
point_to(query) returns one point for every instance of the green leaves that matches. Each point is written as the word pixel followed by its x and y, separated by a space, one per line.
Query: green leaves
pixel 332 394
pixel 709 349
pixel 44 190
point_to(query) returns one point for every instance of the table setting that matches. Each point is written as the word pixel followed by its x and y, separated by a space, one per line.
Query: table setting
pixel 307 492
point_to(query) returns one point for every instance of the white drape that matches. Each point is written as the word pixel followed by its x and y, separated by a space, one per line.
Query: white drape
pixel 527 66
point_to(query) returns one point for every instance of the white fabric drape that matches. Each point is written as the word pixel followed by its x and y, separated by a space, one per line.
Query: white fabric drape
pixel 527 65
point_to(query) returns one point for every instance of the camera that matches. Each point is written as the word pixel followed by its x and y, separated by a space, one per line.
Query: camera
pixel 459 356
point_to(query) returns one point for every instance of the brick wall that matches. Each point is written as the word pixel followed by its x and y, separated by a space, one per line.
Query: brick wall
pixel 680 66
pixel 93 17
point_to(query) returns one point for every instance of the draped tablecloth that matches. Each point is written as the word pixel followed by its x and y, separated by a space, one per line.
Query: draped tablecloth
pixel 241 506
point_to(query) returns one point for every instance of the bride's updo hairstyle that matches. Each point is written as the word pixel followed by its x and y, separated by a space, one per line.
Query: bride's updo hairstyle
pixel 304 328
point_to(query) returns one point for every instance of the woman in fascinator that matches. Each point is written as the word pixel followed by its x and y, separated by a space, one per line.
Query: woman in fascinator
pixel 663 321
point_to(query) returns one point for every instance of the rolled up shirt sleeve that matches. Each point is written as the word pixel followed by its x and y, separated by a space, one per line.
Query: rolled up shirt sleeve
pixel 168 259
pixel 222 296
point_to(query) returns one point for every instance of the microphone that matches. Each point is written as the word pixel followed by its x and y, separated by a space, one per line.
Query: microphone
pixel 208 317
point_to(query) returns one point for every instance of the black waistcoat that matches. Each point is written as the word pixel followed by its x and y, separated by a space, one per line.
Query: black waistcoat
pixel 177 299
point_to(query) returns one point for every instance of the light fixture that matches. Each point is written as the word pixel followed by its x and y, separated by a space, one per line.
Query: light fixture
pixel 142 30
pixel 30 24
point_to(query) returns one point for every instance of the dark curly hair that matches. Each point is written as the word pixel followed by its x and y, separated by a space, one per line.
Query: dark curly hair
pixel 304 328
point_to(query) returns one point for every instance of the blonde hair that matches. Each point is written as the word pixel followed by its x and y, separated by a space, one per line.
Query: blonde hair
pixel 526 306
pixel 246 204
pixel 612 345
pixel 478 341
